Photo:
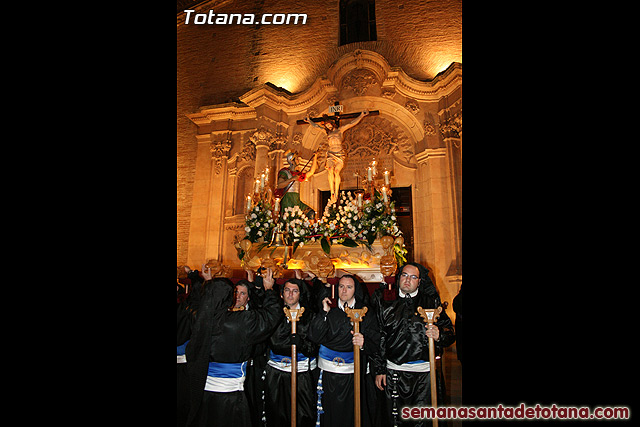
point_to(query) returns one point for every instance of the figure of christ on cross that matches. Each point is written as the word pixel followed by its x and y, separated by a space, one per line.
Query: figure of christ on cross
pixel 335 152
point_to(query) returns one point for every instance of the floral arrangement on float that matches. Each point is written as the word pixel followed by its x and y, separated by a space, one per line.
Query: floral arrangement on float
pixel 357 218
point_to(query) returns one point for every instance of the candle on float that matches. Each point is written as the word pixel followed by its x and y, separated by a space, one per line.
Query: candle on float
pixel 257 189
pixel 384 195
pixel 369 177
pixel 266 176
pixel 248 203
pixel 359 200
pixel 386 177
pixel 277 206
pixel 373 166
pixel 261 182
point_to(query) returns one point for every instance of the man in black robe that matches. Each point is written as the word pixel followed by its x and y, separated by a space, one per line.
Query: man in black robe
pixel 220 346
pixel 295 294
pixel 402 363
pixel 187 310
pixel 249 296
pixel 332 329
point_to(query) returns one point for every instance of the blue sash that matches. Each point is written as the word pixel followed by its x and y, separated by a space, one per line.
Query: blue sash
pixel 330 355
pixel 181 348
pixel 227 370
pixel 413 362
pixel 278 357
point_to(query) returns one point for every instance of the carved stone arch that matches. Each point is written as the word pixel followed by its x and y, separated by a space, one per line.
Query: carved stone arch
pixel 359 60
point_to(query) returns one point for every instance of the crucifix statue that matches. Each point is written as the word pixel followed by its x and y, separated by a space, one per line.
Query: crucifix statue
pixel 335 152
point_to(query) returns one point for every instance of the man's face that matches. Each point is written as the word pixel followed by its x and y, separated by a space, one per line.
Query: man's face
pixel 242 296
pixel 407 283
pixel 346 289
pixel 291 294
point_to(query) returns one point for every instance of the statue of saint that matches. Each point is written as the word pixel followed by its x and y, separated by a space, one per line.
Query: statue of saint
pixel 335 152
pixel 288 184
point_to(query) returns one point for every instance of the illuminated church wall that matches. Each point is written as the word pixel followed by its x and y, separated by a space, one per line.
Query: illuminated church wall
pixel 230 125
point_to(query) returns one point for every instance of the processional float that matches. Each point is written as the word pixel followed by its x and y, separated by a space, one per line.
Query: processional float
pixel 374 189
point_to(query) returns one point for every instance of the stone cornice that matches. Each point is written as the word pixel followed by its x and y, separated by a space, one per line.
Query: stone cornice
pixel 430 153
pixel 214 113
pixel 442 85
pixel 391 79
pixel 292 104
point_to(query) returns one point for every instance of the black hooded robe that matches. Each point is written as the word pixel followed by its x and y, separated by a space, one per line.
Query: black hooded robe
pixel 221 336
pixel 333 331
pixel 277 384
pixel 403 340
pixel 185 316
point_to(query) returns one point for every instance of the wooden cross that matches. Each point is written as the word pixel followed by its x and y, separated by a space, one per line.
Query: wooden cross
pixel 337 116
pixel 356 315
pixel 430 315
pixel 293 315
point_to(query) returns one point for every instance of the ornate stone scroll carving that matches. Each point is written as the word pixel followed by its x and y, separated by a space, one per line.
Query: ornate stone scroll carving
pixel 429 128
pixel 412 107
pixel 359 81
pixel 220 150
pixel 452 126
pixel 262 137
pixel 248 152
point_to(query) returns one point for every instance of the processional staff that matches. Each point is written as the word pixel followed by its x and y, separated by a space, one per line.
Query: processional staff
pixel 356 315
pixel 293 315
pixel 431 315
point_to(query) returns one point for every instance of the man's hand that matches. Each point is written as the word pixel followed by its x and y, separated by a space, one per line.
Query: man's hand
pixel 381 380
pixel 325 304
pixel 267 279
pixel 206 272
pixel 433 332
pixel 358 339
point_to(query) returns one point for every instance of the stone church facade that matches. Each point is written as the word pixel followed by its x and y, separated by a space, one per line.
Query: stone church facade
pixel 242 88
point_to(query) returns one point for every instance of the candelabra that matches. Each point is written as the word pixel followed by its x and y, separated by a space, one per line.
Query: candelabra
pixel 374 183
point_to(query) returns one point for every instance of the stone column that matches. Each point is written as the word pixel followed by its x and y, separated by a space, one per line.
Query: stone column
pixel 217 200
pixel 433 228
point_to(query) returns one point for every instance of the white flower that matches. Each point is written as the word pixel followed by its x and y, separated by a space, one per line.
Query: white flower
pixel 247 229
